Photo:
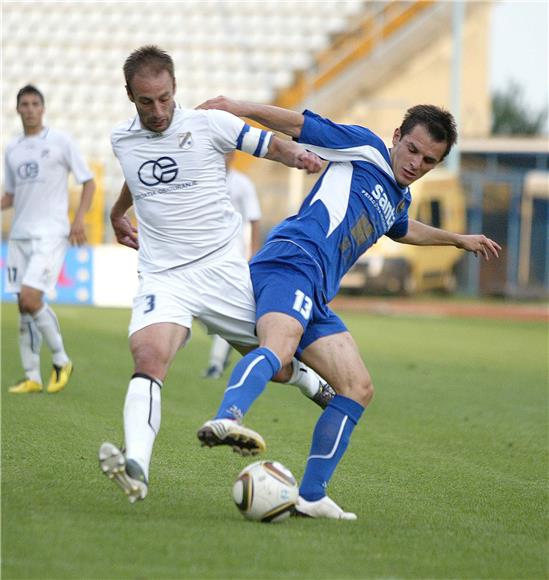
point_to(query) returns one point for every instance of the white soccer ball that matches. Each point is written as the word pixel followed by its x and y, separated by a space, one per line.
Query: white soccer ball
pixel 265 491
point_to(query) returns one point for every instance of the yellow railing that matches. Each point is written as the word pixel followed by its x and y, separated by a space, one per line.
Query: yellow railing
pixel 345 51
pixel 353 47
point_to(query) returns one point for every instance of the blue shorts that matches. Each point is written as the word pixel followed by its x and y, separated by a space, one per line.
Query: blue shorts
pixel 285 279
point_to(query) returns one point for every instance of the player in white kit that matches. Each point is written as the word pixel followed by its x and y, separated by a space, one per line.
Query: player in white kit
pixel 245 201
pixel 37 166
pixel 189 263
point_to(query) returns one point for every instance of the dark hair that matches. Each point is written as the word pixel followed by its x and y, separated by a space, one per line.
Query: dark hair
pixel 29 90
pixel 440 124
pixel 151 57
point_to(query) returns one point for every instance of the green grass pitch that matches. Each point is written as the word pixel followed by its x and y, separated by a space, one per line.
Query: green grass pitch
pixel 447 471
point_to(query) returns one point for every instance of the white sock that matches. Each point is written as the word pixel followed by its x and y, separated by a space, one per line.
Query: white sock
pixel 47 323
pixel 142 419
pixel 219 352
pixel 30 341
pixel 303 377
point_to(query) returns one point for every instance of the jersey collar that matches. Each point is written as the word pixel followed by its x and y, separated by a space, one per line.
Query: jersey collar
pixel 42 135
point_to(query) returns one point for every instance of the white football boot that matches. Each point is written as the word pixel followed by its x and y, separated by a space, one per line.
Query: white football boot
pixel 127 474
pixel 232 433
pixel 322 508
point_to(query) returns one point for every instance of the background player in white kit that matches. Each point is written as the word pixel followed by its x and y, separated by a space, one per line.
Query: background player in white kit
pixel 245 201
pixel 189 265
pixel 38 164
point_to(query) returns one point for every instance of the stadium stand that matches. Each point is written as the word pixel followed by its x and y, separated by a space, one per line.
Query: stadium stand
pixel 337 57
pixel 74 53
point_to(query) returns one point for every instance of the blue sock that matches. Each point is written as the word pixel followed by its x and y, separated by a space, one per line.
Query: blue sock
pixel 247 381
pixel 330 439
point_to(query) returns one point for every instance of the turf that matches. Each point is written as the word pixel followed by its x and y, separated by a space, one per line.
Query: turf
pixel 447 471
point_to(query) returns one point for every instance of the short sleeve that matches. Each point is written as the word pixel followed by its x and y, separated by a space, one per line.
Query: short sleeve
pixel 399 229
pixel 320 131
pixel 9 177
pixel 230 132
pixel 225 129
pixel 336 142
pixel 76 162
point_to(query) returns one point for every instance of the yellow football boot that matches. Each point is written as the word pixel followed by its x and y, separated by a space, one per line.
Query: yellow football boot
pixel 59 377
pixel 26 386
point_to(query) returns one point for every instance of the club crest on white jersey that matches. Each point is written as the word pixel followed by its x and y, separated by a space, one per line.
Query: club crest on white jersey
pixel 185 140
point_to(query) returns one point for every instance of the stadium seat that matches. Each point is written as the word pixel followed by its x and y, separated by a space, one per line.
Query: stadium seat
pixel 248 49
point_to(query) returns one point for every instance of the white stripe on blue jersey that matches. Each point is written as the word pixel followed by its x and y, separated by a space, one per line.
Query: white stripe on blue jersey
pixel 334 193
pixel 362 152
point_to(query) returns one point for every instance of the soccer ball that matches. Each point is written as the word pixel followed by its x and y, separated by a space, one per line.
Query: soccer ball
pixel 265 491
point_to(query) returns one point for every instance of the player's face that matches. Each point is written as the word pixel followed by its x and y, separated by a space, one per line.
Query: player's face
pixel 415 154
pixel 31 110
pixel 153 96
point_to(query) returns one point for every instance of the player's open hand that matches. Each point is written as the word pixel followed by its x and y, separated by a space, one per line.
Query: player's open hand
pixel 480 245
pixel 125 232
pixel 77 234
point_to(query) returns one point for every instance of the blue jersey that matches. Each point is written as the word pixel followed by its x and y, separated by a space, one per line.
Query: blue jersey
pixel 356 200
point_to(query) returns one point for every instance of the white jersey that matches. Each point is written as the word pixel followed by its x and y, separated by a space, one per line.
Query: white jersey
pixel 178 183
pixel 244 199
pixel 37 171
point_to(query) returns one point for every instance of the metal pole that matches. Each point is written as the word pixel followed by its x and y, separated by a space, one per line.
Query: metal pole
pixel 458 17
pixel 475 226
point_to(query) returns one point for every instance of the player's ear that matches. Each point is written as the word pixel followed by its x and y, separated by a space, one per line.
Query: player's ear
pixel 174 86
pixel 396 136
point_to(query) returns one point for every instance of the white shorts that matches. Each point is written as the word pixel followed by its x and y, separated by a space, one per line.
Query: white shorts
pixel 35 263
pixel 218 293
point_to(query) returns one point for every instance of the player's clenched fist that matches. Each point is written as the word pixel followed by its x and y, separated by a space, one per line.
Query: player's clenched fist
pixel 309 161
pixel 125 232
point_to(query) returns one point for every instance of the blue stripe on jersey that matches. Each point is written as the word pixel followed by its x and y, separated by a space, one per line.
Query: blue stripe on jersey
pixel 245 129
pixel 257 151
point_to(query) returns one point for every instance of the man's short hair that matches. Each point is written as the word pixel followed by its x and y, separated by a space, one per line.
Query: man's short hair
pixel 440 124
pixel 150 57
pixel 29 90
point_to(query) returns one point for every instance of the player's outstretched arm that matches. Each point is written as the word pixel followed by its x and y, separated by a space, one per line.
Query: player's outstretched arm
pixel 293 155
pixel 125 232
pixel 77 235
pixel 423 235
pixel 282 120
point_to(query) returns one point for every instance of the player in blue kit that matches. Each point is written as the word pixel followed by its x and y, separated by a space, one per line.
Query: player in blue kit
pixel 362 195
